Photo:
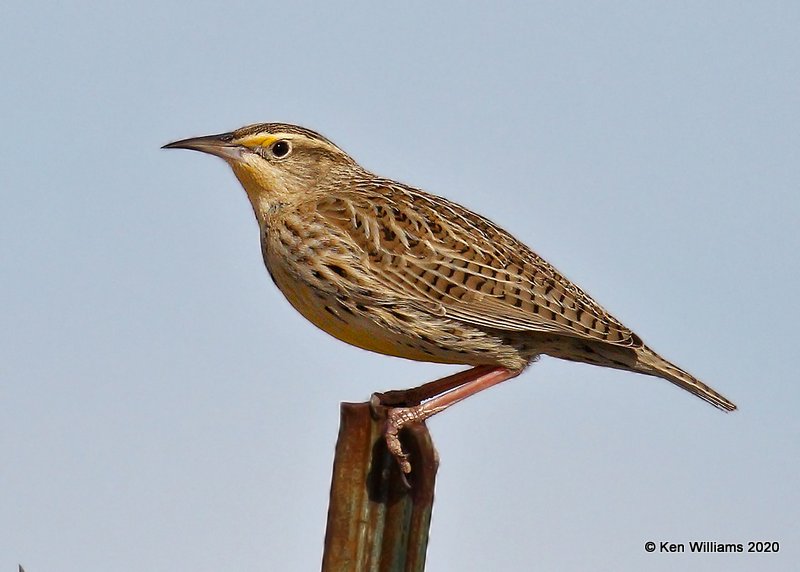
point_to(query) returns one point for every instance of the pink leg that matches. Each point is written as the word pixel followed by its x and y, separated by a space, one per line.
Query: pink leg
pixel 398 417
pixel 416 395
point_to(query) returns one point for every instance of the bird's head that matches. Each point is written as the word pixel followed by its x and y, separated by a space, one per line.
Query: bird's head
pixel 275 162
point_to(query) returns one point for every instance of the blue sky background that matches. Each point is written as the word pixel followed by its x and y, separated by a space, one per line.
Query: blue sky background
pixel 163 408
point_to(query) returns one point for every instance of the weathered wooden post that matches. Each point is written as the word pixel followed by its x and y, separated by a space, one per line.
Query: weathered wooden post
pixel 378 520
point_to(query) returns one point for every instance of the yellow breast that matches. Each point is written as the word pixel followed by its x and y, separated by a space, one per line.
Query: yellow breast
pixel 325 312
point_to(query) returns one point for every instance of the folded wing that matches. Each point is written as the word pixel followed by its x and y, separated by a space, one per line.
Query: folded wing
pixel 464 266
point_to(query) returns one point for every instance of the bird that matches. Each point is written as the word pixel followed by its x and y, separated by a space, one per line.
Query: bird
pixel 396 270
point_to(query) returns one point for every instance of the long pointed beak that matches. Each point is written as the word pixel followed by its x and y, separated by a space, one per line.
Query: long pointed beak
pixel 219 145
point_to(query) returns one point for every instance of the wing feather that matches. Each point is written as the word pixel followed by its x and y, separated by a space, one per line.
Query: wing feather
pixel 439 256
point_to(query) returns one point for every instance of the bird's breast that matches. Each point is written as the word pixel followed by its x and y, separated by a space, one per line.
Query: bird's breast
pixel 323 285
pixel 329 314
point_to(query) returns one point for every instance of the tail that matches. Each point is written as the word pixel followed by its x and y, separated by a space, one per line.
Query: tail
pixel 650 363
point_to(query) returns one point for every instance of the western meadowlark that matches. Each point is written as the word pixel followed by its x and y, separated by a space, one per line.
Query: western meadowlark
pixel 393 269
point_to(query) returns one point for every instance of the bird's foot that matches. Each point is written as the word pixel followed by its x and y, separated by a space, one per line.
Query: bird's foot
pixel 403 408
pixel 396 419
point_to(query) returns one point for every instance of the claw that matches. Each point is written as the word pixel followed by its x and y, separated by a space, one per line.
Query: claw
pixel 396 448
pixel 396 419
pixel 403 408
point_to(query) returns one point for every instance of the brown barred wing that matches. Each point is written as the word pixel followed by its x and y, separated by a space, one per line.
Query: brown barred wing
pixel 450 261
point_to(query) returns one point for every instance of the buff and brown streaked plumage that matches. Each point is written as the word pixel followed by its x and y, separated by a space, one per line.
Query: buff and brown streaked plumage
pixel 393 269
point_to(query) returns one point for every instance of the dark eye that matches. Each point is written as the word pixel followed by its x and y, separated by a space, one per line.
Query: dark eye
pixel 281 148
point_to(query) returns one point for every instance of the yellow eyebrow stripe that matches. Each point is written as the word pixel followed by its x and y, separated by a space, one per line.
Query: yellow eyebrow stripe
pixel 258 140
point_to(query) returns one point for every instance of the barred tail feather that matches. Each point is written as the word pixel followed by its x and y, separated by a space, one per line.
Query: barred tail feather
pixel 651 363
